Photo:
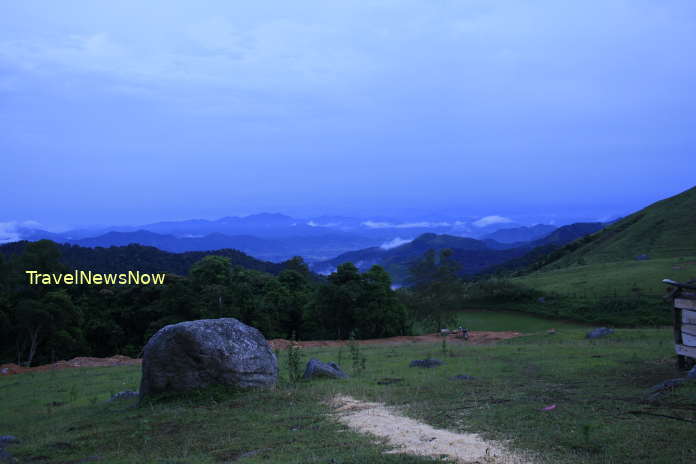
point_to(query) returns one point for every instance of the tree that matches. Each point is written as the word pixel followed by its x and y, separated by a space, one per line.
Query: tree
pixel 211 278
pixel 299 291
pixel 211 270
pixel 360 303
pixel 380 313
pixel 436 285
pixel 53 318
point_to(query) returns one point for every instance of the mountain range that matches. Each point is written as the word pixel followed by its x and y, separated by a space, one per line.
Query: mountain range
pixel 277 237
pixel 473 256
pixel 666 229
pixel 118 259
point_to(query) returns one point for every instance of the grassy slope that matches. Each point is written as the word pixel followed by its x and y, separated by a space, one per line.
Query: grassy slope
pixel 598 387
pixel 603 279
pixel 592 275
pixel 666 229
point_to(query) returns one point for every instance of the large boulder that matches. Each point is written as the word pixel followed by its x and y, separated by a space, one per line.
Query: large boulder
pixel 196 354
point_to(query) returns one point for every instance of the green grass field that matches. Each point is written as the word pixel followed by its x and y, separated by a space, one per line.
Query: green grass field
pixel 623 294
pixel 598 387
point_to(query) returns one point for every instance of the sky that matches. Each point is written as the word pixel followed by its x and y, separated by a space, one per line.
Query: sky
pixel 132 112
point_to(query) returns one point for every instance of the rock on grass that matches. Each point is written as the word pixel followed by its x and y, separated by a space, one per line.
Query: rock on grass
pixel 197 354
pixel 316 368
pixel 426 363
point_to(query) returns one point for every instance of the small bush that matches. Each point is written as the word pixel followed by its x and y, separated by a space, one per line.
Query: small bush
pixel 358 360
pixel 294 360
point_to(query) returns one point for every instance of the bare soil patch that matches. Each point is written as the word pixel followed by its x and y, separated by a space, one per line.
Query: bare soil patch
pixel 118 360
pixel 475 338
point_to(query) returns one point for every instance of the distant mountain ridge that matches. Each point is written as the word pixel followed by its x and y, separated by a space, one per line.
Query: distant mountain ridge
pixel 473 256
pixel 270 236
pixel 119 259
pixel 521 234
pixel 270 249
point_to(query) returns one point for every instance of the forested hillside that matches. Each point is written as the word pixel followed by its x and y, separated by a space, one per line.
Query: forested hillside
pixel 41 323
pixel 143 258
pixel 472 256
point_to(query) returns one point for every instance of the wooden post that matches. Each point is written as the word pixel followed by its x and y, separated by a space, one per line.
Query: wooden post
pixel 684 321
pixel 681 359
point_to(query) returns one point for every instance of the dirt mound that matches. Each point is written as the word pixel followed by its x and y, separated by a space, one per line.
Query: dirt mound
pixel 118 360
pixel 475 338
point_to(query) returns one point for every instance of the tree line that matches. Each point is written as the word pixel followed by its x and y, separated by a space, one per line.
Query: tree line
pixel 44 323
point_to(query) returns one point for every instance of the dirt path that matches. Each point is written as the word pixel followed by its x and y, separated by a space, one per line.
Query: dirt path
pixel 475 338
pixel 412 437
pixel 118 360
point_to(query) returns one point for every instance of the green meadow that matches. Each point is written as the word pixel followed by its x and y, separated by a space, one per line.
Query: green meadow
pixel 622 278
pixel 598 386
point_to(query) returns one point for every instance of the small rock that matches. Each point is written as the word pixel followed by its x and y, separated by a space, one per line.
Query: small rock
pixel 427 363
pixel 599 333
pixel 389 381
pixel 5 456
pixel 89 459
pixel 8 440
pixel 124 395
pixel 664 387
pixel 316 368
pixel 463 377
pixel 249 454
pixel 692 373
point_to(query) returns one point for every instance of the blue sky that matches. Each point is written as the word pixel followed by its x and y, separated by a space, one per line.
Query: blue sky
pixel 131 112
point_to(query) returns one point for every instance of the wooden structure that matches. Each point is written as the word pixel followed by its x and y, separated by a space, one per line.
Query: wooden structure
pixel 684 297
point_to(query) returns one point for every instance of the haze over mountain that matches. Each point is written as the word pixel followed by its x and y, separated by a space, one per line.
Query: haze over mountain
pixel 473 256
pixel 277 237
pixel 520 234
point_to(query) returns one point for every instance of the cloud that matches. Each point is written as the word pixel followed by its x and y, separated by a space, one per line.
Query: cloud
pixel 398 241
pixel 490 220
pixel 405 225
pixel 271 57
pixel 377 225
pixel 411 225
pixel 327 224
pixel 10 231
